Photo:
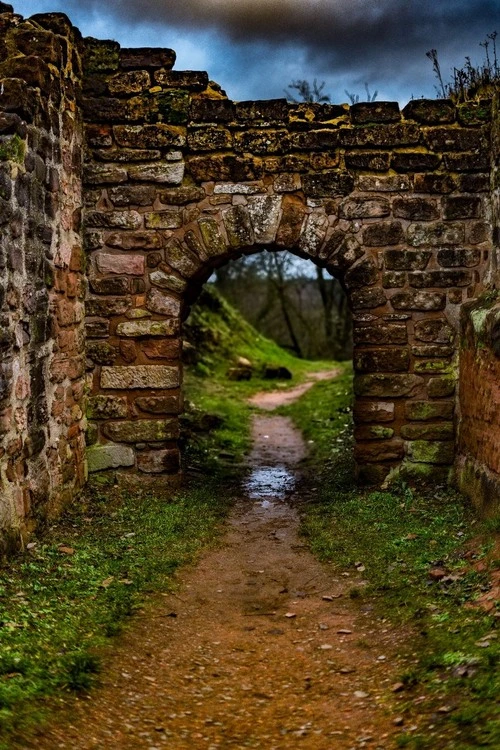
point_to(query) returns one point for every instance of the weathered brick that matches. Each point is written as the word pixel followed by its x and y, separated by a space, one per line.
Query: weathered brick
pixel 454 139
pixel 440 279
pixel 380 332
pixel 373 411
pixel 368 298
pixel 432 350
pixel 212 110
pixel 437 330
pixel 166 219
pixel 142 430
pixel 462 207
pixel 109 456
pixel 415 161
pixel 440 431
pixel 293 216
pixel 139 376
pixel 357 208
pixel 362 275
pixel 454 257
pixel 416 209
pixel 107 407
pixel 441 387
pixel 407 260
pixel 430 111
pixel 113 219
pixel 467 162
pixel 428 411
pixel 260 142
pixel 149 136
pixel 431 451
pixel 139 240
pixel 122 264
pixel 163 304
pixel 364 112
pixel 169 403
pixel 393 279
pixel 390 136
pixel 142 328
pixel 440 184
pixel 209 138
pixel 382 360
pixel 163 172
pixel 371 161
pixel 383 233
pixel 146 57
pixel 264 212
pixel 238 226
pixel 327 184
pixel 424 301
pixel 385 184
pixel 439 233
pixel 131 195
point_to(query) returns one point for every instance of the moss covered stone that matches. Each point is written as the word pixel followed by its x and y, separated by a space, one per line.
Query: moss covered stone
pixel 12 148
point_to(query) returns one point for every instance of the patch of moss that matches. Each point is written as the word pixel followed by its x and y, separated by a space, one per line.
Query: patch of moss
pixel 12 148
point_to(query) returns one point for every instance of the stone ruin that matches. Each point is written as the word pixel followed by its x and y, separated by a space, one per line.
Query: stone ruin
pixel 124 183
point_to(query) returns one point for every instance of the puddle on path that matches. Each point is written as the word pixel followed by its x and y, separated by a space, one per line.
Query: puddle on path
pixel 267 482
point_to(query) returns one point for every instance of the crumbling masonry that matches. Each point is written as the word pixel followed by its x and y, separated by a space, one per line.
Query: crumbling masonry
pixel 174 179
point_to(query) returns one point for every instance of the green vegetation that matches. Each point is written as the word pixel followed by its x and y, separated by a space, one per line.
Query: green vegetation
pixel 12 148
pixel 471 81
pixel 78 585
pixel 424 570
pixel 217 419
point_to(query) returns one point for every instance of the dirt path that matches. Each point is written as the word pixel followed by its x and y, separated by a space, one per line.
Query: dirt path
pixel 270 400
pixel 261 648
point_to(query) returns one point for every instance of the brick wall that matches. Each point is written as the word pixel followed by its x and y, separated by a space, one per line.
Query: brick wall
pixel 41 272
pixel 478 460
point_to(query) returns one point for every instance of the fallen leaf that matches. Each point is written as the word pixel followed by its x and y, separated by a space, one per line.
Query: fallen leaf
pixel 65 550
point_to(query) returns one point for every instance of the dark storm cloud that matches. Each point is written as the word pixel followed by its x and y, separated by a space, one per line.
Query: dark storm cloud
pixel 376 34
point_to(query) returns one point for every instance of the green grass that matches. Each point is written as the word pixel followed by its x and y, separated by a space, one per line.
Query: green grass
pixel 58 610
pixel 399 536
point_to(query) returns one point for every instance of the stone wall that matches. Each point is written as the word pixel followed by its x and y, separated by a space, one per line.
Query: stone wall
pixel 179 180
pixel 41 272
pixel 478 463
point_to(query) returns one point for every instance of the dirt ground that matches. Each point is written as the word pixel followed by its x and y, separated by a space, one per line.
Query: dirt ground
pixel 261 646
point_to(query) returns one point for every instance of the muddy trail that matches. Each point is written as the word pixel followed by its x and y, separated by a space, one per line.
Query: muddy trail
pixel 260 647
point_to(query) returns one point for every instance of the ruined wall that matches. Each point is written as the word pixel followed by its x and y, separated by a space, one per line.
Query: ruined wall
pixel 179 180
pixel 478 461
pixel 41 272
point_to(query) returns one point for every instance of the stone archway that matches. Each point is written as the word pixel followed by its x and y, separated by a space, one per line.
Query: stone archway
pixel 180 181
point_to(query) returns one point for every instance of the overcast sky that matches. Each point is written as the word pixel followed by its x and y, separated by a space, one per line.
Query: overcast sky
pixel 254 48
